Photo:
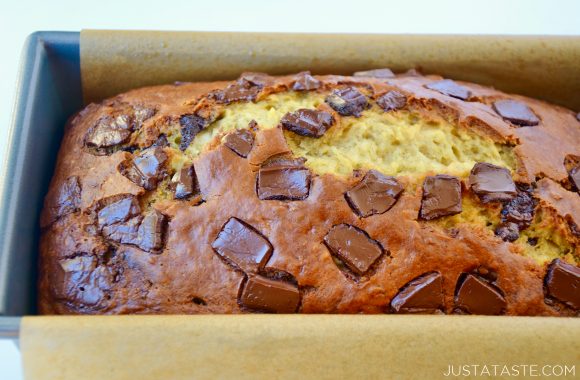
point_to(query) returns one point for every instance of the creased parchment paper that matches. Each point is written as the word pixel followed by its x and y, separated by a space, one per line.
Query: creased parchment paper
pixel 542 67
pixel 288 346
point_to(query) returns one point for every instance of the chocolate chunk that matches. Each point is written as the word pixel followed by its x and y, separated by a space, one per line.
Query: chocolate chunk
pixel 508 231
pixel 240 142
pixel 377 73
pixel 146 169
pixel 262 294
pixel 441 197
pixel 422 294
pixel 519 210
pixel 151 231
pixel 62 201
pixel 575 176
pixel 117 209
pixel 305 82
pixel 283 179
pixel 354 247
pixel 392 100
pixel 242 246
pixel 191 125
pixel 450 88
pixel 124 233
pixel 85 281
pixel 109 131
pixel 257 79
pixel 141 114
pixel 374 194
pixel 492 183
pixel 307 122
pixel 348 101
pixel 161 141
pixel 516 112
pixel 242 90
pixel 185 182
pixel 475 295
pixel 563 283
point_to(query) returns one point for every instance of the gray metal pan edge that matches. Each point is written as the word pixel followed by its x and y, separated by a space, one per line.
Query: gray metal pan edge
pixel 48 92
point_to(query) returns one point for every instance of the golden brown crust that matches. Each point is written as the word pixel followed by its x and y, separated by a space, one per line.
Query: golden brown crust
pixel 188 276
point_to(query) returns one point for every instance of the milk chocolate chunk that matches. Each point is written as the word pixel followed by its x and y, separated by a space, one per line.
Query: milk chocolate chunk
pixel 283 179
pixel 563 283
pixel 307 122
pixel 151 231
pixel 109 131
pixel 392 100
pixel 117 209
pixel 191 125
pixel 508 231
pixel 242 246
pixel 243 90
pixel 348 101
pixel 492 183
pixel 475 295
pixel 185 182
pixel 305 82
pixel 262 294
pixel 354 247
pixel 374 194
pixel 450 88
pixel 377 73
pixel 146 169
pixel 240 142
pixel 441 197
pixel 422 294
pixel 66 199
pixel 516 112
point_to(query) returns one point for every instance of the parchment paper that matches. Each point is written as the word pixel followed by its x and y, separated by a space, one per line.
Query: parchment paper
pixel 116 61
pixel 289 347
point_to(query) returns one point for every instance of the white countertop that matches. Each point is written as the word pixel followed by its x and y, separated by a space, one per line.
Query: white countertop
pixel 20 18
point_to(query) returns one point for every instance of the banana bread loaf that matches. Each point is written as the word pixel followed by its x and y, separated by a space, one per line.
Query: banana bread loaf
pixel 371 193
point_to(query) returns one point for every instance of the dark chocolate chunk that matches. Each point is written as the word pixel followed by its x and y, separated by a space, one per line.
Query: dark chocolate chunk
pixel 348 101
pixel 392 100
pixel 374 194
pixel 262 294
pixel 86 282
pixel 420 295
pixel 441 197
pixel 508 231
pixel 475 295
pixel 185 182
pixel 151 231
pixel 242 246
pixel 243 90
pixel 563 283
pixel 450 88
pixel 240 142
pixel 519 210
pixel 62 201
pixel 492 183
pixel 117 209
pixel 307 122
pixel 146 169
pixel 283 179
pixel 306 82
pixel 191 125
pixel 109 131
pixel 354 247
pixel 516 112
pixel 377 73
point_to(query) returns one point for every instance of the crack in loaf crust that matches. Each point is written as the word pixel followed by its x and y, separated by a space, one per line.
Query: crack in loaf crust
pixel 157 206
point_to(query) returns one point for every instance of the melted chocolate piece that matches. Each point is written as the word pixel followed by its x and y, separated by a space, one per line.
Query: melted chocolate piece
pixel 262 294
pixel 307 122
pixel 283 179
pixel 348 101
pixel 563 283
pixel 117 209
pixel 242 246
pixel 450 88
pixel 354 247
pixel 441 197
pixel 508 231
pixel 516 112
pixel 492 183
pixel 109 131
pixel 306 82
pixel 146 169
pixel 420 295
pixel 186 183
pixel 191 125
pixel 475 295
pixel 392 100
pixel 519 210
pixel 240 142
pixel 374 194
pixel 243 90
pixel 377 73
pixel 65 200
pixel 151 231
